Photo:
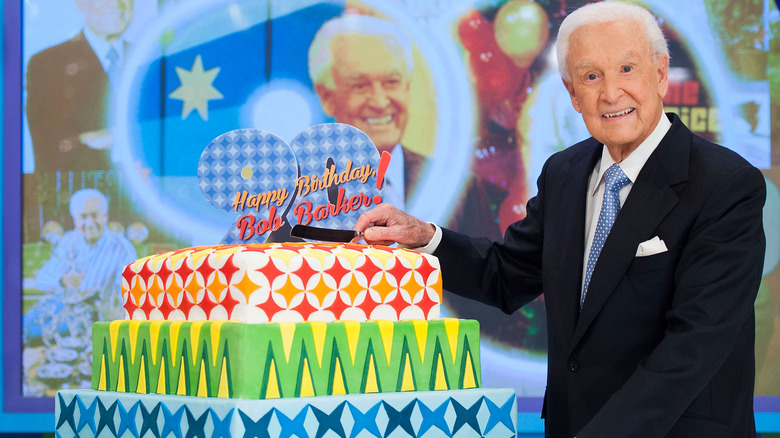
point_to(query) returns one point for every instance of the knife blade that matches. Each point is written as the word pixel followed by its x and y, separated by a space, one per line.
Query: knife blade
pixel 324 234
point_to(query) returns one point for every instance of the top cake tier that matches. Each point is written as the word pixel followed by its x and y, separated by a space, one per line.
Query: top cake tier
pixel 283 282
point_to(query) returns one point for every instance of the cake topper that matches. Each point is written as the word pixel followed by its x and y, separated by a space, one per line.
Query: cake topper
pixel 326 176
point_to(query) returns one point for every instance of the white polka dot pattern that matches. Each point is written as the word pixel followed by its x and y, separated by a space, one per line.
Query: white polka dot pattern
pixel 614 180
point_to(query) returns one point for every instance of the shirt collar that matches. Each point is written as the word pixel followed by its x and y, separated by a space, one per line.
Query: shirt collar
pixel 101 47
pixel 395 170
pixel 634 162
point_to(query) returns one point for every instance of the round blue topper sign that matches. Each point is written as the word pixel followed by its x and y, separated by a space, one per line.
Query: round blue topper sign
pixel 327 176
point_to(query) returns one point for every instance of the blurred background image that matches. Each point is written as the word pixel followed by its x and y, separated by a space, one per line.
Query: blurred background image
pixel 121 97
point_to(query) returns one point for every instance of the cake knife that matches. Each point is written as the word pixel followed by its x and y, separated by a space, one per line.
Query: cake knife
pixel 325 234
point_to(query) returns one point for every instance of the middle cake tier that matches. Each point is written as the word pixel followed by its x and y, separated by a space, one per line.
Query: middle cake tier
pixel 272 360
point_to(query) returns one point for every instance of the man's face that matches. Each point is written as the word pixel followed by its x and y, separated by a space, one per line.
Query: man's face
pixel 371 89
pixel 106 18
pixel 91 221
pixel 615 85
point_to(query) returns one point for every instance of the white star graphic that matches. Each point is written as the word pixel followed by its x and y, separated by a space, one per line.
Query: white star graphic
pixel 196 90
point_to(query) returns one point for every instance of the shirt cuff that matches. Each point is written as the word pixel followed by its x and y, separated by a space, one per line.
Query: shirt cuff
pixel 434 243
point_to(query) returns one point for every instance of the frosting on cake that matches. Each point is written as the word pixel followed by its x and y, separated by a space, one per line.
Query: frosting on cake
pixel 480 412
pixel 273 360
pixel 283 282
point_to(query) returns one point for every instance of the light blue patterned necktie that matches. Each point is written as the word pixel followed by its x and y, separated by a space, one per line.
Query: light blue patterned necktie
pixel 113 66
pixel 614 180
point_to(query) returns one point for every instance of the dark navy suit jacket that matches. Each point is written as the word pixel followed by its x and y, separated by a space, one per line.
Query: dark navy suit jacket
pixel 664 345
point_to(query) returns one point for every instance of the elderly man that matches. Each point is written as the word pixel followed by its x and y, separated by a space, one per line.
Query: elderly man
pixel 87 261
pixel 646 240
pixel 67 88
pixel 360 67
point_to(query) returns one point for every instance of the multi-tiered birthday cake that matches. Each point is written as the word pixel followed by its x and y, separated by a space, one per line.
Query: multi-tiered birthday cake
pixel 285 339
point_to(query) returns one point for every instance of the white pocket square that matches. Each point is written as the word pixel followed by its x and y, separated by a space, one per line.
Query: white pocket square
pixel 651 247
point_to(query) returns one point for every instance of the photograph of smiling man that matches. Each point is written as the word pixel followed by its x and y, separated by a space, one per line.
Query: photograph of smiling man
pixel 360 67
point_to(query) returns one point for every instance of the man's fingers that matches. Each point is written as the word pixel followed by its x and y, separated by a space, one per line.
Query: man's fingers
pixel 378 234
pixel 376 217
pixel 386 224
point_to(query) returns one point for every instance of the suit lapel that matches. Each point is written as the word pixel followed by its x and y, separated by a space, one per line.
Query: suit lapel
pixel 651 199
pixel 570 231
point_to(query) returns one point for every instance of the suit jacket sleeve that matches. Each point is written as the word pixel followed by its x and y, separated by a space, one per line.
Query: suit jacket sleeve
pixel 716 281
pixel 505 276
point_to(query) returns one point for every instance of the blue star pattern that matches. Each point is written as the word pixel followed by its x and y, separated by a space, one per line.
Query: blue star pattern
pixel 501 415
pixel 196 426
pixel 172 421
pixel 365 420
pixel 614 180
pixel 67 412
pixel 330 421
pixel 106 416
pixel 149 420
pixel 87 415
pixel 293 426
pixel 434 418
pixel 127 419
pixel 248 160
pixel 221 425
pixel 256 429
pixel 471 412
pixel 464 416
pixel 399 418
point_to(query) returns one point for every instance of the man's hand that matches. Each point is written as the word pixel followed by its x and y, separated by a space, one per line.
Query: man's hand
pixel 100 139
pixel 385 225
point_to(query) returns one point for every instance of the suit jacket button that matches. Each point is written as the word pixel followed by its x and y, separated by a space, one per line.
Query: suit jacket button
pixel 573 366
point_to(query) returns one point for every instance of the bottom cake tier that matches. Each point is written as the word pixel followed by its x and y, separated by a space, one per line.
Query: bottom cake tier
pixel 457 413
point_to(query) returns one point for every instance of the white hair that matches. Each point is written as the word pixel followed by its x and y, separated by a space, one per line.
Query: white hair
pixel 79 199
pixel 605 13
pixel 321 51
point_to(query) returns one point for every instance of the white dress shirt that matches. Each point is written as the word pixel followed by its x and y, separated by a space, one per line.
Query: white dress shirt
pixel 395 187
pixel 631 166
pixel 102 49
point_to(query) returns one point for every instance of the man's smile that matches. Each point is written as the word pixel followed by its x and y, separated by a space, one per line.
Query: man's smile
pixel 379 120
pixel 618 113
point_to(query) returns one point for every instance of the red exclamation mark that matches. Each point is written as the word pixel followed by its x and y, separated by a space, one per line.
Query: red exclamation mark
pixel 384 161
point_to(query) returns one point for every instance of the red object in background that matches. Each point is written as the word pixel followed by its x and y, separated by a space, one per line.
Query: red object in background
pixel 493 72
pixel 475 31
pixel 495 75
pixel 501 86
pixel 506 110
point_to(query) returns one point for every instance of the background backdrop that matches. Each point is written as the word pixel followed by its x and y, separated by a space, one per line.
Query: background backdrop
pixel 486 107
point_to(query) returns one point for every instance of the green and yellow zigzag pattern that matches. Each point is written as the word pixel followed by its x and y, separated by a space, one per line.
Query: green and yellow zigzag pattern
pixel 272 360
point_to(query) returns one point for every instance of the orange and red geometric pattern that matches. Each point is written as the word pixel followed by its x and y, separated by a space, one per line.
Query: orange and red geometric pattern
pixel 284 282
